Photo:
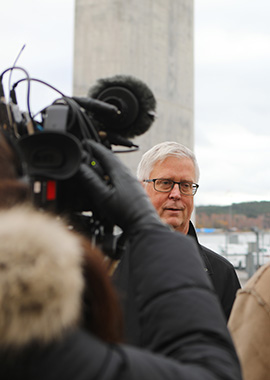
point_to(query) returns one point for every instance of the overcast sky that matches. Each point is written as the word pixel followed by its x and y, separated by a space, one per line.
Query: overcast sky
pixel 232 95
pixel 232 84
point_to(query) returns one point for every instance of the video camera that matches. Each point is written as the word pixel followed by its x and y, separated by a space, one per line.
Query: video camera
pixel 53 147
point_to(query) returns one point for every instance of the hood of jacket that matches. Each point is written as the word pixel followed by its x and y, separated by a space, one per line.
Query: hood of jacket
pixel 41 279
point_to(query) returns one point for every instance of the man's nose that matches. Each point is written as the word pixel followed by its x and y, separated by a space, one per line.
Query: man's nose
pixel 175 192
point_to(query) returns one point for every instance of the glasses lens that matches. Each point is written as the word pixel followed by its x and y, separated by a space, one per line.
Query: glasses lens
pixel 186 188
pixel 163 184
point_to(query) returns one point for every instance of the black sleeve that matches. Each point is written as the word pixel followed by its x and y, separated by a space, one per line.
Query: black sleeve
pixel 224 279
pixel 179 315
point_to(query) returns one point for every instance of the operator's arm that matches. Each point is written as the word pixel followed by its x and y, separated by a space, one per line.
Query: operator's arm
pixel 179 314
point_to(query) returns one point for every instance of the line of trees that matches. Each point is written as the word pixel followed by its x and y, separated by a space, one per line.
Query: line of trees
pixel 242 216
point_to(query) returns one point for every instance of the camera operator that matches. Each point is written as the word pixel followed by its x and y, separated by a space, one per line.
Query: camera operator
pixel 41 284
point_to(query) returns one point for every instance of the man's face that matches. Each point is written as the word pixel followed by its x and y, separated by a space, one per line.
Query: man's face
pixel 173 208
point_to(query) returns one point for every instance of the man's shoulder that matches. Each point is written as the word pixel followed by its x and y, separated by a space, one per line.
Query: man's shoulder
pixel 213 261
pixel 214 257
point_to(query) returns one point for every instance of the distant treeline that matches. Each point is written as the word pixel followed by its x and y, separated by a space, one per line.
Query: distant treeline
pixel 249 209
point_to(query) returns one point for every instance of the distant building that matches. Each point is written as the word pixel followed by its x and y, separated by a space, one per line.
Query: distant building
pixel 151 40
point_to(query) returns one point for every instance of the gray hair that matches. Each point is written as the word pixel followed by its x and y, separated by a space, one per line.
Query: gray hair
pixel 159 153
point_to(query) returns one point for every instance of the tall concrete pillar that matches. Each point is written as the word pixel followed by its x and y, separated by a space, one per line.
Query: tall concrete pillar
pixel 151 40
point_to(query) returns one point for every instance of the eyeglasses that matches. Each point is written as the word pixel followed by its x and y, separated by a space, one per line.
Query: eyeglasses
pixel 164 185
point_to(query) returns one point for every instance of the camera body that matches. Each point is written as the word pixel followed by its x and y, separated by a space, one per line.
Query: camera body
pixel 115 110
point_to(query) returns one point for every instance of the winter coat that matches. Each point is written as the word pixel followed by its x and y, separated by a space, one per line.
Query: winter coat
pixel 40 305
pixel 221 273
pixel 249 324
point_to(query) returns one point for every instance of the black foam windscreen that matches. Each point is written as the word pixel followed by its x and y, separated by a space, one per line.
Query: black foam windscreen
pixel 134 100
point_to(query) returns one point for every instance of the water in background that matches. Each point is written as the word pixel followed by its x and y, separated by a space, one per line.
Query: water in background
pixel 235 246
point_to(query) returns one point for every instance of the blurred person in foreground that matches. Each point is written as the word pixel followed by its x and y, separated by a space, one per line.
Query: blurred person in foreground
pixel 48 277
pixel 13 184
pixel 249 324
pixel 169 173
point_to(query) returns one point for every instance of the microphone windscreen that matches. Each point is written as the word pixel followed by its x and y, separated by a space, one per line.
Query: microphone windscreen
pixel 133 98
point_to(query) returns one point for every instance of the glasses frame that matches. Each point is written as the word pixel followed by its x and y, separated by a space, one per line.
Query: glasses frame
pixel 195 185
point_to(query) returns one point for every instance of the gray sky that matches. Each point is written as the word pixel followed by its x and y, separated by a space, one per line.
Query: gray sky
pixel 232 94
pixel 232 84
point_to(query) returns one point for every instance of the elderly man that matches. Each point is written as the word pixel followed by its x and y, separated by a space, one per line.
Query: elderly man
pixel 169 172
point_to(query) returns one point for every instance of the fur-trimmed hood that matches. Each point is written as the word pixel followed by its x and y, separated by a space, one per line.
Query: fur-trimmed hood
pixel 41 279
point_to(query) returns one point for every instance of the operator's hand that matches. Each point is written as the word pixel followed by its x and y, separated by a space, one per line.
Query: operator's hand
pixel 123 200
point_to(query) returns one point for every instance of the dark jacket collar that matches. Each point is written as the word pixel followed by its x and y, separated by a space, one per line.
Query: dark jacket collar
pixel 207 265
